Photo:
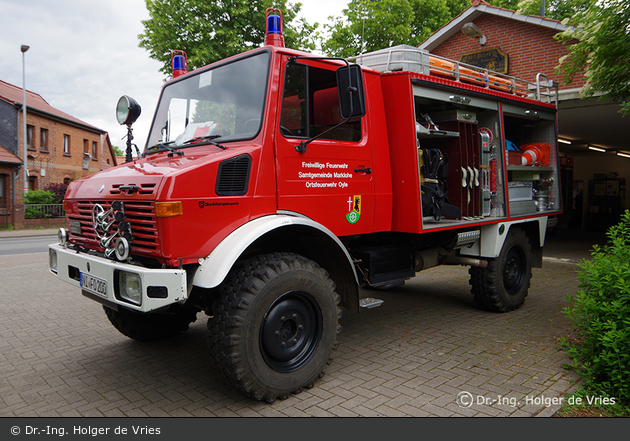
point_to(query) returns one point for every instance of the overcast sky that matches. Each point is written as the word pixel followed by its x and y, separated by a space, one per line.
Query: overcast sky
pixel 84 55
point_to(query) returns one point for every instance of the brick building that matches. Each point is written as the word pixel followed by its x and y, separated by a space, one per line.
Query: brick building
pixel 60 149
pixel 526 41
pixel 593 180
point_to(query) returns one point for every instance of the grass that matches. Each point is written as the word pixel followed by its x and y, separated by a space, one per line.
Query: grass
pixel 587 404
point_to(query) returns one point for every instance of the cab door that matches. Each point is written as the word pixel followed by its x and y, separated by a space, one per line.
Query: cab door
pixel 329 179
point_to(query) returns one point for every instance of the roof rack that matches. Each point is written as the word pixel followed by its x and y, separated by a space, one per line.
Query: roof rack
pixel 409 58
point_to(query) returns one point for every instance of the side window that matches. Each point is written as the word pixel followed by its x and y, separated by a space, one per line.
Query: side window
pixel 310 105
pixel 293 119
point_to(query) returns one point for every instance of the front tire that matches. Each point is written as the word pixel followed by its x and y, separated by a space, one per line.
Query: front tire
pixel 503 285
pixel 275 325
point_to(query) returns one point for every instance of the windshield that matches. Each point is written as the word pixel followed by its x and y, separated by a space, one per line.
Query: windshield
pixel 224 103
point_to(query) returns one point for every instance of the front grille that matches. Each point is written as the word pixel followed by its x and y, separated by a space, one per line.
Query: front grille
pixel 144 189
pixel 141 215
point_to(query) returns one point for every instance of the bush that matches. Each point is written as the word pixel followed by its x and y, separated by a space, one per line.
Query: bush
pixel 39 197
pixel 600 312
pixel 59 190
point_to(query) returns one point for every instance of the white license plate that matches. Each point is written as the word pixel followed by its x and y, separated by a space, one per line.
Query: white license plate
pixel 94 284
pixel 75 227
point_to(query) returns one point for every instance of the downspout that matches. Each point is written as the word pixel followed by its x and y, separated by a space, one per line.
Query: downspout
pixel 16 175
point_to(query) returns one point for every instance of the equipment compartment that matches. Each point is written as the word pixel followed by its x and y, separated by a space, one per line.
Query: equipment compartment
pixel 465 132
pixel 533 132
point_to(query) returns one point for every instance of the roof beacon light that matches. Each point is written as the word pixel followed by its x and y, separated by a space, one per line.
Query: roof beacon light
pixel 179 61
pixel 273 21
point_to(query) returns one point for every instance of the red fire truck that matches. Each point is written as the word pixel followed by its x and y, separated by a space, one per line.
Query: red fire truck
pixel 275 184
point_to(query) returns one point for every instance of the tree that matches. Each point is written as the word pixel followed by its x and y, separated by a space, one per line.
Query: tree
pixel 372 25
pixel 554 9
pixel 209 31
pixel 599 44
pixel 118 151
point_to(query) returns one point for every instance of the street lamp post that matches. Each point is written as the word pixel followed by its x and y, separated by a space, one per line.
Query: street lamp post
pixel 24 48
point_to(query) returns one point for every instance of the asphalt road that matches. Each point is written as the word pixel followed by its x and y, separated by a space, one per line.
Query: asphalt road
pixel 25 245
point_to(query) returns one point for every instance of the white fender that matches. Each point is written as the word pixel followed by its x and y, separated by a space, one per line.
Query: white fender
pixel 493 236
pixel 215 267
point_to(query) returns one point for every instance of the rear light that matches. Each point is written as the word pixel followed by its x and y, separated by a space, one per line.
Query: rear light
pixel 168 209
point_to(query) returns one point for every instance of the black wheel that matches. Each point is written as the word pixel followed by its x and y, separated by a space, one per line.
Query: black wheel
pixel 275 325
pixel 503 285
pixel 151 326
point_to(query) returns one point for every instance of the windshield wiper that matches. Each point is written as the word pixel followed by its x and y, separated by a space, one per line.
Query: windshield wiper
pixel 208 140
pixel 167 146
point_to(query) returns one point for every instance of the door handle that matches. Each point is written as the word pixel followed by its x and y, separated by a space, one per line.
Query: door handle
pixel 363 170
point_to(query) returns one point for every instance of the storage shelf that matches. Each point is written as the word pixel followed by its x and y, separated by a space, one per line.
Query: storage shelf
pixel 438 134
pixel 529 168
pixel 528 172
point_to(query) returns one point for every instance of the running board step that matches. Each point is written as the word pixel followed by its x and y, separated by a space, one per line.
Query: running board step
pixel 370 303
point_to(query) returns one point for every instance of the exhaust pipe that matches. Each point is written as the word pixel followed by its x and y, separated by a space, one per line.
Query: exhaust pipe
pixel 432 257
pixel 461 260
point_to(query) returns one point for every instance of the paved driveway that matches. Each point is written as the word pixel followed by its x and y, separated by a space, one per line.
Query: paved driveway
pixel 426 352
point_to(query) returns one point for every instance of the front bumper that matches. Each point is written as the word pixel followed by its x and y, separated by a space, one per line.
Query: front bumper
pixel 99 279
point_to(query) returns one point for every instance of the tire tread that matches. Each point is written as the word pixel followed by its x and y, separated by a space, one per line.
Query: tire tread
pixel 238 293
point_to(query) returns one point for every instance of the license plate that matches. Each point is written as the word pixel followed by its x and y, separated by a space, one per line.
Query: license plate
pixel 75 227
pixel 93 284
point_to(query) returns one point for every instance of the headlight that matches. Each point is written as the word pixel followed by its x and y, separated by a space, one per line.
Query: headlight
pixel 62 236
pixel 130 287
pixel 52 260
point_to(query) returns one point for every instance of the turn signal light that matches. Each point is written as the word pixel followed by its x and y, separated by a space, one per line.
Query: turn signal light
pixel 168 209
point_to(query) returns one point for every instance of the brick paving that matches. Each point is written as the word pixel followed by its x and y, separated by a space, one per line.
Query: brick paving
pixel 413 356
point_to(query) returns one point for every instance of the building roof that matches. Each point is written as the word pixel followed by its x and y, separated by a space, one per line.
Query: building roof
pixel 478 8
pixel 34 101
pixel 7 156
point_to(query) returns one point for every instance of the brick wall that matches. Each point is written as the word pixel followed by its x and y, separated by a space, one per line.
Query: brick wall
pixel 45 223
pixel 531 49
pixel 50 164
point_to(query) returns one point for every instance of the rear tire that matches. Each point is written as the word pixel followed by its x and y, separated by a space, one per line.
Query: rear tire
pixel 275 325
pixel 148 327
pixel 503 285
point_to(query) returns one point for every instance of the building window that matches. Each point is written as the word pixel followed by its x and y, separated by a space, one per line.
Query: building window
pixel 66 145
pixel 94 151
pixel 43 140
pixel 86 155
pixel 2 198
pixel 29 137
pixel 32 182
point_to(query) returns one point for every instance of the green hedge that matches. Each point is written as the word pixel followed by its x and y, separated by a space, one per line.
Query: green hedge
pixel 600 312
pixel 40 197
pixel 34 201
